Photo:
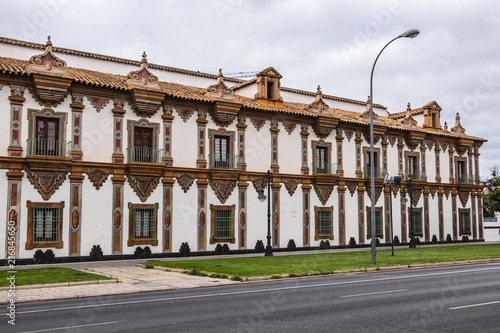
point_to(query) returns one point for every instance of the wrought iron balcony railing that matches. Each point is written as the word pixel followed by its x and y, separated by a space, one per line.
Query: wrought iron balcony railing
pixel 224 161
pixel 323 168
pixel 45 147
pixel 144 155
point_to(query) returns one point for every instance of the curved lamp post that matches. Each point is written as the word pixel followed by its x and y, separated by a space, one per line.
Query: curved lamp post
pixel 262 198
pixel 408 34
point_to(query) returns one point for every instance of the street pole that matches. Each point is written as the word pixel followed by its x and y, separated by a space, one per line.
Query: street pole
pixel 408 34
pixel 269 248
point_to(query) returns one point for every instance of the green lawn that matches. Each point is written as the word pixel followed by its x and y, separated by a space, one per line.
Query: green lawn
pixel 329 262
pixel 48 275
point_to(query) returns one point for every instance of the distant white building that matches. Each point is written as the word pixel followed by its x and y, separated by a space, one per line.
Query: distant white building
pixel 98 150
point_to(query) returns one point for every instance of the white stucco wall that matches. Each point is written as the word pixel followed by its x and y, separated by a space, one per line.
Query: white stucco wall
pixel 5 123
pixel 258 147
pixel 3 210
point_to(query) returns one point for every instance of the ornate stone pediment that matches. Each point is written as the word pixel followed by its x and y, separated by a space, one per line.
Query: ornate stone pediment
pixel 290 185
pixel 458 127
pixel 220 90
pixel 97 176
pixel 223 188
pixel 318 105
pixel 185 180
pixel 143 186
pixel 323 192
pixel 408 120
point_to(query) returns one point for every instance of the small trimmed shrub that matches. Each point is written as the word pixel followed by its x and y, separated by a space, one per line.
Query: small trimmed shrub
pixel 465 238
pixel 291 245
pixel 44 258
pixel 323 245
pixel 434 239
pixel 96 253
pixel 448 238
pixel 377 242
pixel 221 249
pixel 259 246
pixel 352 243
pixel 417 241
pixel 184 250
pixel 396 240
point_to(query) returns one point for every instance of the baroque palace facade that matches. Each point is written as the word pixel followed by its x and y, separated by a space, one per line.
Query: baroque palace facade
pixel 105 151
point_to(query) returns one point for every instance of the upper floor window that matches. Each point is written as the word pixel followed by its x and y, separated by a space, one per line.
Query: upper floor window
pixel 412 166
pixel 379 172
pixel 46 133
pixel 222 149
pixel 461 173
pixel 143 142
pixel 322 152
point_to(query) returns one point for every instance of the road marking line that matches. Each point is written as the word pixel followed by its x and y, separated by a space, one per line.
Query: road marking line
pixel 260 290
pixel 375 293
pixel 473 305
pixel 77 326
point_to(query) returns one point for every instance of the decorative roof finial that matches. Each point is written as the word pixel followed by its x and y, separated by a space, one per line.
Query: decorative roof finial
pixel 446 126
pixel 319 90
pixel 408 107
pixel 144 57
pixel 458 127
pixel 49 43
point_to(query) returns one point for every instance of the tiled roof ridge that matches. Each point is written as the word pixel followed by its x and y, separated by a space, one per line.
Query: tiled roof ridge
pixel 403 114
pixel 38 46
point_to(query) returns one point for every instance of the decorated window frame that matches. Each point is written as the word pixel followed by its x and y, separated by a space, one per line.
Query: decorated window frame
pixel 379 222
pixel 418 222
pixel 465 221
pixel 463 176
pixel 145 215
pixel 42 148
pixel 222 224
pixel 43 233
pixel 317 166
pixel 379 171
pixel 143 154
pixel 413 174
pixel 215 159
pixel 322 232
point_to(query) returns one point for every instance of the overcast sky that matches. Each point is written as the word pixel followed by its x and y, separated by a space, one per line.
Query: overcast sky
pixel 454 60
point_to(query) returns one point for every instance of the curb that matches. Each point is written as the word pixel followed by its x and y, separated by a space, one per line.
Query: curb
pixel 61 284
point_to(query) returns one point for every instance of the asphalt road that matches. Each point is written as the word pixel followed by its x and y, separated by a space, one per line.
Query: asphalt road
pixel 450 299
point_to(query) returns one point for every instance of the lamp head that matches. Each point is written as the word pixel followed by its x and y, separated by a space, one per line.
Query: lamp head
pixel 262 197
pixel 412 33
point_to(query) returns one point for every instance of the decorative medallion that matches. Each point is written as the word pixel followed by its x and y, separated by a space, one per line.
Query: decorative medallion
pixel 323 192
pixel 143 186
pixel 289 126
pixel 185 114
pixel 168 219
pixel 464 197
pixel 242 220
pixel 117 221
pixel 75 220
pixel 185 180
pixel 290 185
pixel 258 123
pixel 97 176
pixel 46 182
pixel 98 102
pixel 223 188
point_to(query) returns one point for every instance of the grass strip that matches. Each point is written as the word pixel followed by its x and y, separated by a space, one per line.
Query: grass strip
pixel 48 275
pixel 309 264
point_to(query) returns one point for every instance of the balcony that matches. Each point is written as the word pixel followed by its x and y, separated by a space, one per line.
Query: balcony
pixel 465 179
pixel 416 175
pixel 44 147
pixel 323 168
pixel 379 172
pixel 144 155
pixel 223 161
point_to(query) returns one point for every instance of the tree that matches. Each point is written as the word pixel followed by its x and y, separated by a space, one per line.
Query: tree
pixel 491 199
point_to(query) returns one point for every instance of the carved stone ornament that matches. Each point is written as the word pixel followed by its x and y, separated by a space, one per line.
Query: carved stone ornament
pixel 98 102
pixel 318 105
pixel 185 180
pixel 366 114
pixel 323 192
pixel 46 183
pixel 258 123
pixel 142 76
pixel 223 188
pixel 259 183
pixel 220 90
pixel 185 114
pixel 351 186
pixel 289 126
pixel 46 61
pixel 447 191
pixel 97 176
pixel 464 197
pixel 291 185
pixel 378 191
pixel 408 120
pixel 143 186
pixel 415 195
pixel 458 127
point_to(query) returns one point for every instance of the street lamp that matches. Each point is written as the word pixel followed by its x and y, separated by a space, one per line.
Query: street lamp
pixel 262 198
pixel 408 34
pixel 413 241
pixel 392 180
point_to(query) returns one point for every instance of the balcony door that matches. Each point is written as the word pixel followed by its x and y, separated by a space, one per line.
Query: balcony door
pixel 321 160
pixel 47 137
pixel 221 151
pixel 143 145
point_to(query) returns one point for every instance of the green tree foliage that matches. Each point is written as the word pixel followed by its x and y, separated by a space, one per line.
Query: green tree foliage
pixel 492 193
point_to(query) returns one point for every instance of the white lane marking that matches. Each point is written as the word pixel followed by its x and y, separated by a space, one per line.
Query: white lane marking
pixel 473 305
pixel 77 326
pixel 375 293
pixel 261 290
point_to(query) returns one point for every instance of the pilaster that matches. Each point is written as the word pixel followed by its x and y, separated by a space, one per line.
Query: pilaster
pixel 76 121
pixel 118 130
pixel 306 193
pixel 201 162
pixel 275 168
pixel 17 99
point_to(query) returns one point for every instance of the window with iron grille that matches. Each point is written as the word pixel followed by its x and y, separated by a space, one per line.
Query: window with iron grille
pixel 143 224
pixel 465 225
pixel 379 222
pixel 222 226
pixel 44 224
pixel 324 223
pixel 417 222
